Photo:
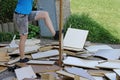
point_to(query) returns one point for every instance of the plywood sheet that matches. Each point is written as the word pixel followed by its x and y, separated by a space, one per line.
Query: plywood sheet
pixel 80 72
pixel 41 62
pixel 2 69
pixel 4 57
pixel 115 64
pixel 95 48
pixel 75 38
pixel 80 62
pixel 45 54
pixel 25 72
pixel 45 68
pixel 110 54
pixel 64 73
pixel 99 72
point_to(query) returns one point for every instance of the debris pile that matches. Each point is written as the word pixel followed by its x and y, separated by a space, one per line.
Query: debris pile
pixel 81 60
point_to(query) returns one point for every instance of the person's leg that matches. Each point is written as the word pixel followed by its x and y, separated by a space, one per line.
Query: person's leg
pixel 22 45
pixel 22 23
pixel 44 15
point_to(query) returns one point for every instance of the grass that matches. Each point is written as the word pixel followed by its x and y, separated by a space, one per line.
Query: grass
pixel 104 12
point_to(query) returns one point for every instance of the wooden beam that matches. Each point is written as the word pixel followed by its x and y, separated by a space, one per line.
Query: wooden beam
pixel 60 35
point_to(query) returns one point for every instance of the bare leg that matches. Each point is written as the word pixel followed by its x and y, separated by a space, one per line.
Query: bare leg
pixel 22 45
pixel 44 15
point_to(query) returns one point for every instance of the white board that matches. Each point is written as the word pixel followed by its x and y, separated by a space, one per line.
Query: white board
pixel 111 76
pixel 75 38
pixel 80 72
pixel 110 64
pixel 40 62
pixel 98 78
pixel 80 62
pixel 110 54
pixel 95 48
pixel 25 72
pixel 45 54
pixel 28 49
pixel 117 71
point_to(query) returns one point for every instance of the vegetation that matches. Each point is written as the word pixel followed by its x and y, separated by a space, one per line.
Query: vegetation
pixel 103 12
pixel 97 33
pixel 7 10
pixel 33 33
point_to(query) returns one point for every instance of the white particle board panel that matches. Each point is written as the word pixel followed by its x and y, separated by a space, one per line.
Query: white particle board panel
pixel 111 64
pixel 45 54
pixel 40 62
pixel 98 78
pixel 30 42
pixel 75 38
pixel 95 48
pixel 25 72
pixel 111 76
pixel 28 49
pixel 80 72
pixel 117 71
pixel 80 62
pixel 13 43
pixel 110 54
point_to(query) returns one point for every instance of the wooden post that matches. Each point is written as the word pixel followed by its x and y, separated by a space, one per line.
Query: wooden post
pixel 60 35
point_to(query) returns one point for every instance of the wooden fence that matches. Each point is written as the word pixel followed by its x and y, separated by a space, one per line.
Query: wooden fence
pixel 11 27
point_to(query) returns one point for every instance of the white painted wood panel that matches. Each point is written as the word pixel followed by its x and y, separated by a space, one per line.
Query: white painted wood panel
pixel 95 48
pixel 80 62
pixel 45 54
pixel 25 72
pixel 75 38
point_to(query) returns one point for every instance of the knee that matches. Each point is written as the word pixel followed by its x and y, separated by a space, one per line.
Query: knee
pixel 46 14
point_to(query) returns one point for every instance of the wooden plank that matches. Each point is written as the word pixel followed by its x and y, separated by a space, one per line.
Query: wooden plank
pixel 41 62
pixel 45 68
pixel 0 28
pixel 45 54
pixel 2 69
pixel 3 50
pixel 4 57
pixel 98 72
pixel 47 77
pixel 72 40
pixel 11 27
pixel 64 73
pixel 16 27
pixel 5 27
pixel 45 48
pixel 25 72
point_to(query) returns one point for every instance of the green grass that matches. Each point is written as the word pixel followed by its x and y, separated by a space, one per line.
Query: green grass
pixel 104 12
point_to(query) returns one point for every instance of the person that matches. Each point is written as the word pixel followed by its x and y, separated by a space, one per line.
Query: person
pixel 22 15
